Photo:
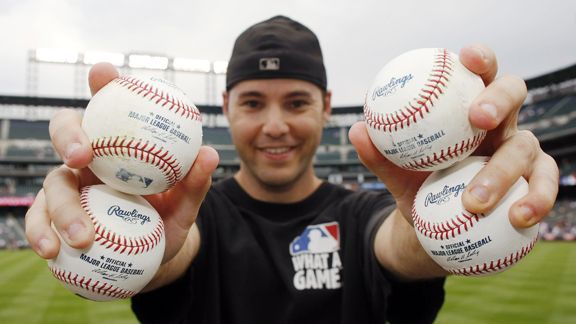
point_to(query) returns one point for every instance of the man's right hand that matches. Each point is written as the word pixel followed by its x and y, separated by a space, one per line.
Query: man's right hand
pixel 58 203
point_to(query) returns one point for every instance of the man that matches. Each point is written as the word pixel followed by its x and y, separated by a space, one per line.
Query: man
pixel 275 244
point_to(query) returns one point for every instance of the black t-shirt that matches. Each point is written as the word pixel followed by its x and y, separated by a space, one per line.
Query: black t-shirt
pixel 306 262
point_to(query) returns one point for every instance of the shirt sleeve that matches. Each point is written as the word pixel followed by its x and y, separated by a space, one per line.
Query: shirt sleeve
pixel 178 301
pixel 174 302
pixel 403 295
pixel 168 304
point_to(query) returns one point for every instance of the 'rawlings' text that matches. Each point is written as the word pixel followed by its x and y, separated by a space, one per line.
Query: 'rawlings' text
pixel 131 217
pixel 443 196
pixel 391 86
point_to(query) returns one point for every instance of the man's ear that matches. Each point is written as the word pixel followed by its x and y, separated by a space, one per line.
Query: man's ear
pixel 225 100
pixel 327 105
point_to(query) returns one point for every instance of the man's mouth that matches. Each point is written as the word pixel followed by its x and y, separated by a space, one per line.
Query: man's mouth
pixel 276 150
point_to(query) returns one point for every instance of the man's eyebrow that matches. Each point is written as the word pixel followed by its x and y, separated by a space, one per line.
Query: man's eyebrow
pixel 296 93
pixel 251 94
pixel 299 93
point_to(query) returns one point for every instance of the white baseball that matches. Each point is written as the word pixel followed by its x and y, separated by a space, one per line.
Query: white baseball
pixel 126 253
pixel 417 110
pixel 145 134
pixel 461 242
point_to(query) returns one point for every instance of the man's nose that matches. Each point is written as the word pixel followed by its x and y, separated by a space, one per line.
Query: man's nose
pixel 275 123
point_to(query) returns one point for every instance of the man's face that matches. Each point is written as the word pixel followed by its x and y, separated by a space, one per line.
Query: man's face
pixel 276 126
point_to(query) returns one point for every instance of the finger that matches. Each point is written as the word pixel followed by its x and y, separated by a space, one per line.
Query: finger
pixel 199 178
pixel 543 188
pixel 367 152
pixel 480 60
pixel 494 180
pixel 179 206
pixel 69 139
pixel 393 176
pixel 99 76
pixel 500 101
pixel 63 203
pixel 39 233
pixel 191 190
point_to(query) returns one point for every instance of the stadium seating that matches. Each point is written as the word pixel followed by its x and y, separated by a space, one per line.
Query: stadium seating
pixel 228 156
pixel 332 136
pixel 25 153
pixel 561 223
pixel 553 116
pixel 216 136
pixel 23 129
pixel 328 156
pixel 12 232
pixel 536 111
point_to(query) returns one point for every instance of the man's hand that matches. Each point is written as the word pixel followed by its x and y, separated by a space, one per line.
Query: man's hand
pixel 514 153
pixel 59 201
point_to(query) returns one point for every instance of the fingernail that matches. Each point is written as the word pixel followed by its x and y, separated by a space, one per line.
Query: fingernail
pixel 43 245
pixel 74 231
pixel 480 193
pixel 71 148
pixel 526 213
pixel 480 52
pixel 489 109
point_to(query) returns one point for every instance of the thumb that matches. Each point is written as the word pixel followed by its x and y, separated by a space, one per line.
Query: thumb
pixel 184 200
pixel 179 206
pixel 199 178
pixel 367 152
pixel 401 183
pixel 99 76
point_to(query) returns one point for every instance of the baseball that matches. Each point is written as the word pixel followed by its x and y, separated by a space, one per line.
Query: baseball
pixel 126 253
pixel 461 242
pixel 145 134
pixel 417 110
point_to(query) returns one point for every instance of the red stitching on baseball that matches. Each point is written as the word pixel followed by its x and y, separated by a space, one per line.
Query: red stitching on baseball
pixel 447 154
pixel 495 265
pixel 119 243
pixel 121 146
pixel 448 229
pixel 152 93
pixel 101 288
pixel 424 101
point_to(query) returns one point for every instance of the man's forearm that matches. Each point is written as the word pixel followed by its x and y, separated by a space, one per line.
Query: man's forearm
pixel 177 266
pixel 398 250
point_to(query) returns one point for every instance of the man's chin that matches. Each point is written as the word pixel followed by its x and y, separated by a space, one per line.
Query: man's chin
pixel 276 183
pixel 277 180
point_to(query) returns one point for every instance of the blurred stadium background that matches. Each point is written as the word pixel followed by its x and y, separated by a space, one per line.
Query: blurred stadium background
pixel 26 154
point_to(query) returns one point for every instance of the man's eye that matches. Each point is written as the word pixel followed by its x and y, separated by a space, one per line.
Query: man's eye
pixel 251 103
pixel 298 103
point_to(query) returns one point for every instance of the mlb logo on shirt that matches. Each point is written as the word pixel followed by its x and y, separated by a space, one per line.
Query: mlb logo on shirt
pixel 321 238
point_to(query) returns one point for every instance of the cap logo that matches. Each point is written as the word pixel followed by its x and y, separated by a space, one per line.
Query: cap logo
pixel 269 64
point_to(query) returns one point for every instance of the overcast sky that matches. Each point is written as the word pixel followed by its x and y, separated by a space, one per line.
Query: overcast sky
pixel 530 37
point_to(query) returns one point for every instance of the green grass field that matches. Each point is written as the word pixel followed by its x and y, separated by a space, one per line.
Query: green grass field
pixel 540 289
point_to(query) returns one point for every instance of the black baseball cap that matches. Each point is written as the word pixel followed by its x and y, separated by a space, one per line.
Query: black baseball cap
pixel 277 48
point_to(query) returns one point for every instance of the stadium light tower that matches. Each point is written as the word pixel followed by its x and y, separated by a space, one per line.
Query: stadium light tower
pixel 220 67
pixel 51 55
pixel 142 61
pixel 191 65
pixel 149 62
pixel 93 57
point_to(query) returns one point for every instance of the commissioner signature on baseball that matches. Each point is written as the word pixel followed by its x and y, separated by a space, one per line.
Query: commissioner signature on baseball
pixel 464 257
